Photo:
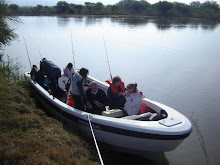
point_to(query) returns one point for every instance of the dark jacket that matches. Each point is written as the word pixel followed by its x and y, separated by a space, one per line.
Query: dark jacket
pixel 100 96
pixel 115 101
pixel 48 67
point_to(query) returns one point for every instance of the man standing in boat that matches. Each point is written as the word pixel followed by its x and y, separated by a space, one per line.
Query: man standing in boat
pixel 78 94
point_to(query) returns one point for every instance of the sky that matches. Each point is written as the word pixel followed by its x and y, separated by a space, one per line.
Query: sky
pixel 105 2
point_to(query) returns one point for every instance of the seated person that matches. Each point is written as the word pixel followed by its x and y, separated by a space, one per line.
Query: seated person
pixel 37 76
pixel 115 93
pixel 69 71
pixel 133 99
pixel 97 98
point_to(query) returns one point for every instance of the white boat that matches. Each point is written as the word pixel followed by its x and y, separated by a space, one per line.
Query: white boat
pixel 143 138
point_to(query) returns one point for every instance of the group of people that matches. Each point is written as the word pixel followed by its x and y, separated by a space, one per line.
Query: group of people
pixel 94 99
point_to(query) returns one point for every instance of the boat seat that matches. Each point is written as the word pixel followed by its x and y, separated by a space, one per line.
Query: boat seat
pixel 142 117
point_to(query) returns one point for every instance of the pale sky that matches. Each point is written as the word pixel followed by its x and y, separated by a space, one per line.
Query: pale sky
pixel 105 2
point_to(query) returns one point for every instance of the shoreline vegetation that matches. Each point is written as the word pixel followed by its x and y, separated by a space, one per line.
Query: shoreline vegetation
pixel 30 136
pixel 208 10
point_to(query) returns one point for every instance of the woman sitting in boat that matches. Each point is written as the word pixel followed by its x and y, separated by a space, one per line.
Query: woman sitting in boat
pixel 69 71
pixel 78 94
pixel 115 93
pixel 133 99
pixel 97 98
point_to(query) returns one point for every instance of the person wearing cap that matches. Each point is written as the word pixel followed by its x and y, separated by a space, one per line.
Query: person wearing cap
pixel 97 98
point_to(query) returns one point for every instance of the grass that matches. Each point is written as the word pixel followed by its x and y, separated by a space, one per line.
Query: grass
pixel 29 136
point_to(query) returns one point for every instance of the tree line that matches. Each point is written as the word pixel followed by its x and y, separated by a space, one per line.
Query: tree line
pixel 208 9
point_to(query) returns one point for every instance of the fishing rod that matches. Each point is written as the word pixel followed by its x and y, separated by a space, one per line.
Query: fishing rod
pixel 27 51
pixel 40 54
pixel 72 48
pixel 106 52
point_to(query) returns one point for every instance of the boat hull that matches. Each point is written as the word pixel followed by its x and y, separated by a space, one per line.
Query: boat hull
pixel 145 144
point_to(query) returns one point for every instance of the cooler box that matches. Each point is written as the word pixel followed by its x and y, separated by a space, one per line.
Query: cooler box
pixel 113 113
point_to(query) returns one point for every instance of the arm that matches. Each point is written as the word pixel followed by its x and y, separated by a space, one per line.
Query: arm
pixel 65 72
pixel 88 95
pixel 104 97
pixel 80 86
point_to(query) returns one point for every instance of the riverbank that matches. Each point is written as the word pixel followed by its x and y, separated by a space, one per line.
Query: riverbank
pixel 30 136
pixel 214 19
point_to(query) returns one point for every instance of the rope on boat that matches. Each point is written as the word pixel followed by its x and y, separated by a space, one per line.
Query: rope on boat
pixel 97 147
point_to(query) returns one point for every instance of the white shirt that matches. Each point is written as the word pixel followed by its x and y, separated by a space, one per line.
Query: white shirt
pixel 133 104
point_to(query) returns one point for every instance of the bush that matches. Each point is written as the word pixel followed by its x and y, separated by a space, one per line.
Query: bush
pixel 13 7
pixel 164 7
pixel 62 6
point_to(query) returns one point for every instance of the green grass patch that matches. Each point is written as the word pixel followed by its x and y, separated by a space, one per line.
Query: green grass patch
pixel 29 136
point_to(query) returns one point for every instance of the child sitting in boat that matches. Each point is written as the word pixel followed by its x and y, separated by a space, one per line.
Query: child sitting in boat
pixel 97 98
pixel 133 99
pixel 115 93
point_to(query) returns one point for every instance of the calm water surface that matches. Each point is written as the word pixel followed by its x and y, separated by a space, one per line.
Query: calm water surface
pixel 174 61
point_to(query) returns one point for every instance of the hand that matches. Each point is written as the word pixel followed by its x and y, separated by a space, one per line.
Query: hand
pixel 121 94
pixel 101 105
pixel 126 94
pixel 88 105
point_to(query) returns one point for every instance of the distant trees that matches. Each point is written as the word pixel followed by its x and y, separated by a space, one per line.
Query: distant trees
pixel 164 7
pixel 137 7
pixel 89 6
pixel 39 7
pixel 98 6
pixel 62 6
pixel 195 4
pixel 210 5
pixel 126 7
pixel 182 8
pixel 78 8
pixel 13 7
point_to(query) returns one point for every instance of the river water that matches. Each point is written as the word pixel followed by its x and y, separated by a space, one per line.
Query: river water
pixel 174 61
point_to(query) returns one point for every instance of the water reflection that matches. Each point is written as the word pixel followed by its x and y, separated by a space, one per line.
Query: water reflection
pixel 182 23
pixel 78 19
pixel 63 21
pixel 116 158
pixel 90 20
pixel 135 22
